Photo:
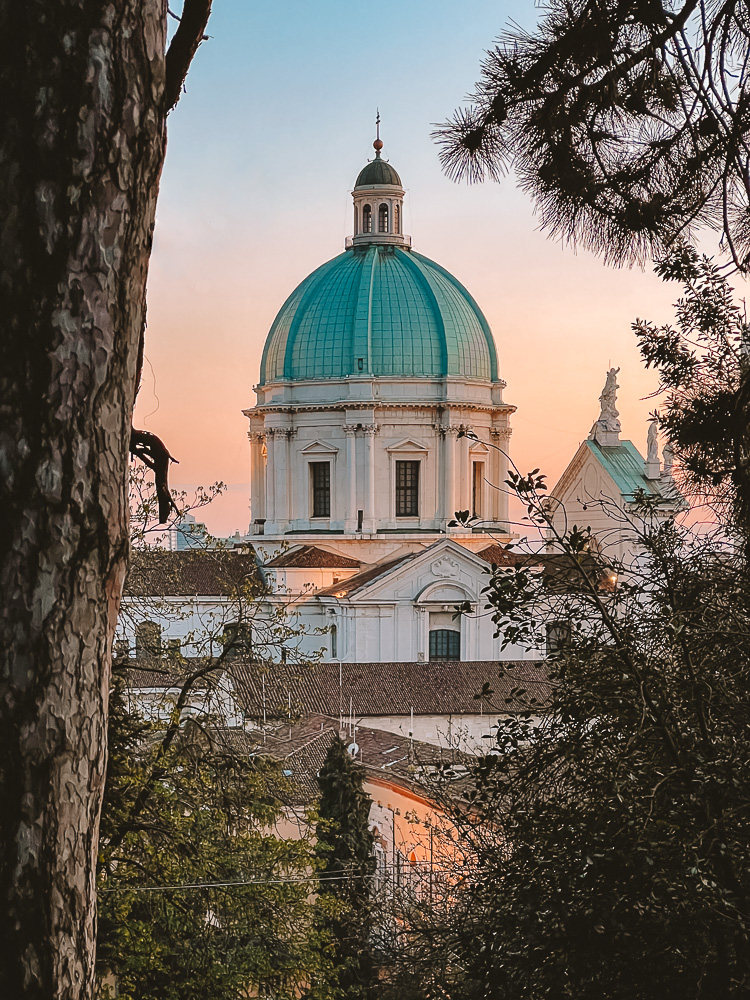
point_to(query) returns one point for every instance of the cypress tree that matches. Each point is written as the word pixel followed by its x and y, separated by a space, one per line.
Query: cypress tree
pixel 344 847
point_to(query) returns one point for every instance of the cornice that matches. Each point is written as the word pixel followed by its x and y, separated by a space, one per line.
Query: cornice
pixel 376 404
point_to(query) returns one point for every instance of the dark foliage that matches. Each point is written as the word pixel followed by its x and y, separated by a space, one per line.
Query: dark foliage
pixel 345 849
pixel 198 898
pixel 627 122
pixel 703 362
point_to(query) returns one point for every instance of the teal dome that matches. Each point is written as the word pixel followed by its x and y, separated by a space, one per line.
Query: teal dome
pixel 377 171
pixel 379 310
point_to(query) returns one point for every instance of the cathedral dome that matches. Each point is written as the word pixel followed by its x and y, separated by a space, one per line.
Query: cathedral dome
pixel 379 310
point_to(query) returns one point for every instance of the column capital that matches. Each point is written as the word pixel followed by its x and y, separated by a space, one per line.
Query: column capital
pixel 350 429
pixel 500 433
pixel 369 430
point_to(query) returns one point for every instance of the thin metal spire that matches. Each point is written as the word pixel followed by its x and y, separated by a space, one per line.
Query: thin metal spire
pixel 378 144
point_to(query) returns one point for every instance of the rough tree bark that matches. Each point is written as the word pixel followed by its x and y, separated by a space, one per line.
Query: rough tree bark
pixel 82 142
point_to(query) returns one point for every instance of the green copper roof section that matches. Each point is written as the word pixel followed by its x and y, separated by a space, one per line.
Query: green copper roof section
pixel 626 466
pixel 379 310
pixel 377 171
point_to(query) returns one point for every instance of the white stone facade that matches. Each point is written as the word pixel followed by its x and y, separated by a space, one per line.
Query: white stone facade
pixel 363 440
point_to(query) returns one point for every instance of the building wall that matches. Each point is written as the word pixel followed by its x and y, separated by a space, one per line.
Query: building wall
pixel 363 443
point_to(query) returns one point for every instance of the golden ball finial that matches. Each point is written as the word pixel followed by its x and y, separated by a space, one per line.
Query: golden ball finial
pixel 377 146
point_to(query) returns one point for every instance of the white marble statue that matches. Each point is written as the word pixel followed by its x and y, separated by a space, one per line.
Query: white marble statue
pixel 608 401
pixel 652 443
pixel 668 456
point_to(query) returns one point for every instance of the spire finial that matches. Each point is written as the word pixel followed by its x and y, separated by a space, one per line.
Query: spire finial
pixel 377 145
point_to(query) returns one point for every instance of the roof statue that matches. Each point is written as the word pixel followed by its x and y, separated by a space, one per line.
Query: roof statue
pixel 653 465
pixel 668 453
pixel 606 430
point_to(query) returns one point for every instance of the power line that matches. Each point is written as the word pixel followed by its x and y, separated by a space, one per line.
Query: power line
pixel 406 866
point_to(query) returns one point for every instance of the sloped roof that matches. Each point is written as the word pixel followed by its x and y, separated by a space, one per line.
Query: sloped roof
pixel 498 555
pixel 302 750
pixel 384 689
pixel 625 464
pixel 189 573
pixel 312 557
pixel 158 674
pixel 346 587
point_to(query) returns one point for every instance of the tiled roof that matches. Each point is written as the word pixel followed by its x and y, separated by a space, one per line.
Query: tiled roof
pixel 312 557
pixel 204 572
pixel 383 689
pixel 627 467
pixel 302 750
pixel 498 555
pixel 159 675
pixel 346 587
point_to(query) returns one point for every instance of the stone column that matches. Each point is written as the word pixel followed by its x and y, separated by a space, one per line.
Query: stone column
pixel 499 498
pixel 257 484
pixel 370 430
pixel 449 504
pixel 281 491
pixel 270 476
pixel 284 487
pixel 350 514
pixel 463 472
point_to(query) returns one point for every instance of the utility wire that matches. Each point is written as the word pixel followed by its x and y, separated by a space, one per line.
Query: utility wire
pixel 274 881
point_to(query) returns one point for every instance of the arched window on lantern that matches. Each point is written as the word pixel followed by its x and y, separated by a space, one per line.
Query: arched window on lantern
pixel 397 218
pixel 383 218
pixel 366 219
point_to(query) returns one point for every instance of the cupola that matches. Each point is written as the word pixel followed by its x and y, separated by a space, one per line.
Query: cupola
pixel 378 201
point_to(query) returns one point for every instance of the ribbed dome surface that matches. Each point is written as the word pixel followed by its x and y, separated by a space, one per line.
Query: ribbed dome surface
pixel 379 311
pixel 378 171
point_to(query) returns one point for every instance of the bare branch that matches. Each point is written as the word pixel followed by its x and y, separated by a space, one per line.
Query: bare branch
pixel 184 45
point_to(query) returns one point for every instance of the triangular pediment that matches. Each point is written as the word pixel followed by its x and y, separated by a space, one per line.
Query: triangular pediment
pixel 319 448
pixel 407 445
pixel 479 448
pixel 446 568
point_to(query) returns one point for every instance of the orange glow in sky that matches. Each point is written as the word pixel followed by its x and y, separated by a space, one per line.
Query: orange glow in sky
pixel 263 150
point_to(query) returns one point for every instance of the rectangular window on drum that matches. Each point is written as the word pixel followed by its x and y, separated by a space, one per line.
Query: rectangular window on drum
pixel 407 489
pixel 320 475
pixel 477 488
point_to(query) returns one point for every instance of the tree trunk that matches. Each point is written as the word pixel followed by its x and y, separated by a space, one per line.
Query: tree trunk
pixel 82 133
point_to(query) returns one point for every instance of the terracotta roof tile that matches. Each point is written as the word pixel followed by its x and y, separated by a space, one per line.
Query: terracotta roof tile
pixel 380 689
pixel 312 557
pixel 204 572
pixel 346 587
pixel 498 555
pixel 302 750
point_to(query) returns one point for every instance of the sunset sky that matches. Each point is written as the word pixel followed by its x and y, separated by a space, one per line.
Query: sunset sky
pixel 264 147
